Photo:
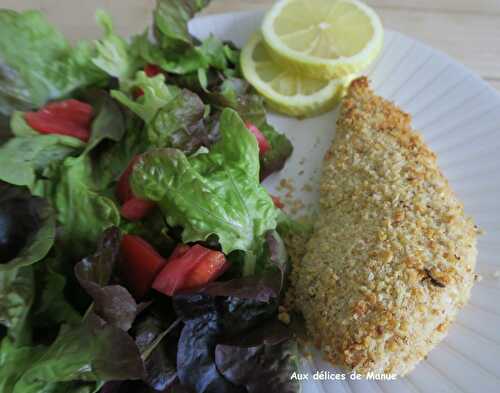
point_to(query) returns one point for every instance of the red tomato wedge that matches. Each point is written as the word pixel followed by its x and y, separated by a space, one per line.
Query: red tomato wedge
pixel 179 251
pixel 195 267
pixel 136 209
pixel 277 202
pixel 123 190
pixel 139 264
pixel 137 92
pixel 69 117
pixel 152 70
pixel 209 269
pixel 133 209
pixel 261 139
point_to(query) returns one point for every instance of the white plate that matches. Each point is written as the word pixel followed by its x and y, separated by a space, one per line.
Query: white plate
pixel 459 116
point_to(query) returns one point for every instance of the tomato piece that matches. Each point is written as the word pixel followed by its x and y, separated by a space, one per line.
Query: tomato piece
pixel 133 209
pixel 139 264
pixel 197 266
pixel 137 92
pixel 136 209
pixel 179 251
pixel 261 139
pixel 277 202
pixel 71 109
pixel 209 269
pixel 152 70
pixel 123 189
pixel 69 117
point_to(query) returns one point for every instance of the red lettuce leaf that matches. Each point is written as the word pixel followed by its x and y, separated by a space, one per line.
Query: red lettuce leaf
pixel 113 303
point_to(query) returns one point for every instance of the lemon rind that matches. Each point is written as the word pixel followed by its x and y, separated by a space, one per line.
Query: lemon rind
pixel 299 105
pixel 321 68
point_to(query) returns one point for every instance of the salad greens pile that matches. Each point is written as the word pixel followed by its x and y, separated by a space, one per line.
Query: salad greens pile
pixel 148 141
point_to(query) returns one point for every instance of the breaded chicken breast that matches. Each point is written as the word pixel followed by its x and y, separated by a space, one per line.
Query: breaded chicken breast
pixel 392 257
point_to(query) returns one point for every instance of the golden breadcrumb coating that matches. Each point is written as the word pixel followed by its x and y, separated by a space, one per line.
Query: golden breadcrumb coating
pixel 392 257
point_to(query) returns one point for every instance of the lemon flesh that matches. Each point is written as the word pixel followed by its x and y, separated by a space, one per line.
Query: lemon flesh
pixel 285 90
pixel 323 38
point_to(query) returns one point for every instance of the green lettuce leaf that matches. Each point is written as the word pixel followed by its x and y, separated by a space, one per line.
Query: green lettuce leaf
pixel 113 53
pixel 188 61
pixel 171 19
pixel 214 193
pixel 181 114
pixel 14 94
pixel 26 155
pixel 175 50
pixel 83 209
pixel 14 361
pixel 54 69
pixel 51 308
pixel 92 351
pixel 109 121
pixel 173 116
pixel 237 94
pixel 156 95
pixel 17 292
pixel 27 227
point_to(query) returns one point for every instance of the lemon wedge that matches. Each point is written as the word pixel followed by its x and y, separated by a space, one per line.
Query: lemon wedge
pixel 323 38
pixel 285 90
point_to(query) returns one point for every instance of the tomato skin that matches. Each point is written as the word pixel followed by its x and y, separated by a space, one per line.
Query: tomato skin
pixel 71 110
pixel 152 70
pixel 139 264
pixel 262 141
pixel 133 209
pixel 136 209
pixel 123 189
pixel 179 251
pixel 208 270
pixel 195 267
pixel 68 117
pixel 277 202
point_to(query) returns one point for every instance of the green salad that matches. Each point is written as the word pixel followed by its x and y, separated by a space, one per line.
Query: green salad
pixel 139 251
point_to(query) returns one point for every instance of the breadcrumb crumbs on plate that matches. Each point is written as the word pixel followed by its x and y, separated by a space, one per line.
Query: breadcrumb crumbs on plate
pixel 307 187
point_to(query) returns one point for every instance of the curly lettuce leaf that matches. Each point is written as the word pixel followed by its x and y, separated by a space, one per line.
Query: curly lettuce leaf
pixel 54 69
pixel 214 193
pixel 114 55
pixel 156 95
pixel 173 116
